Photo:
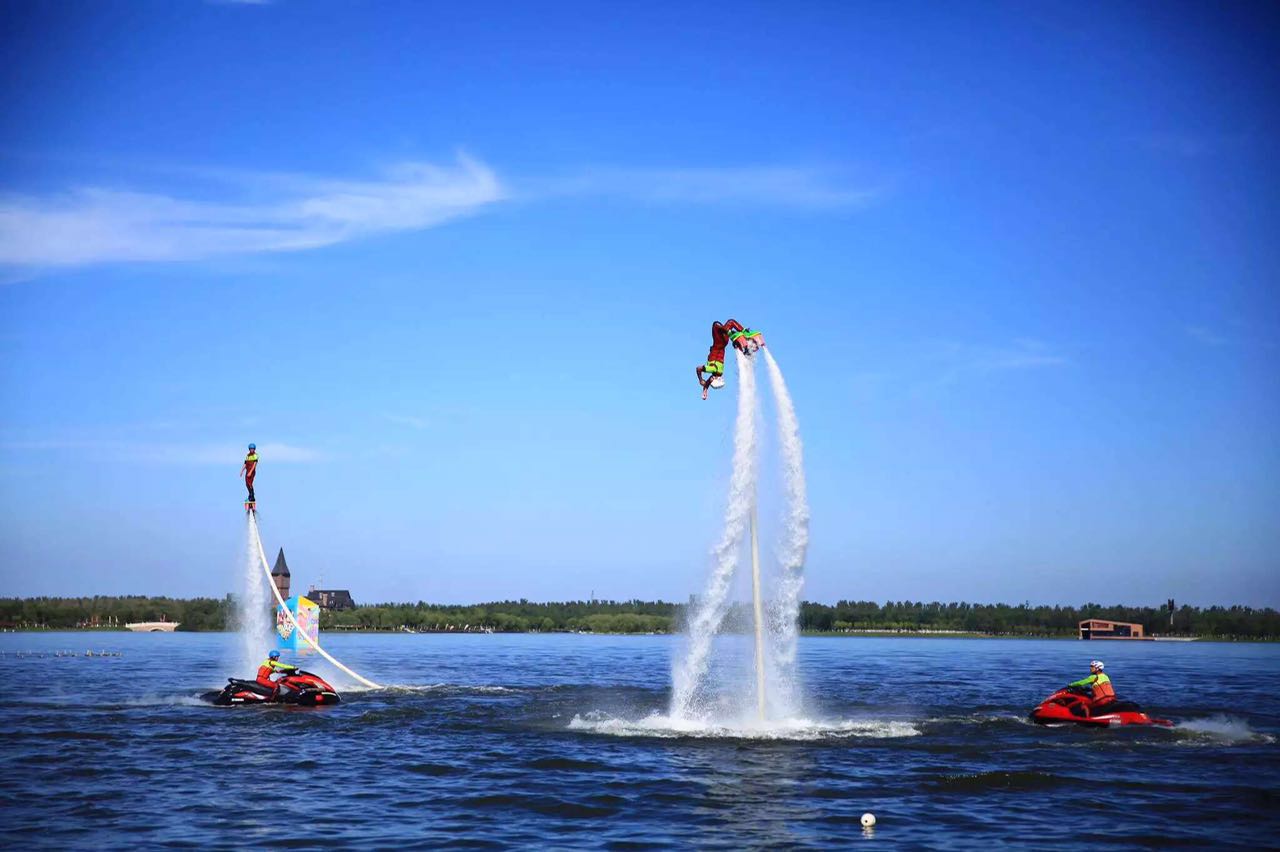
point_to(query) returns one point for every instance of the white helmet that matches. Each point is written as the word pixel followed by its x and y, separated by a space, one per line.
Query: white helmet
pixel 717 382
pixel 1096 664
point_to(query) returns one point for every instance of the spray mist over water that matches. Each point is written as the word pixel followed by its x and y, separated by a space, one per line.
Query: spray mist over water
pixel 784 611
pixel 253 615
pixel 693 681
pixel 706 618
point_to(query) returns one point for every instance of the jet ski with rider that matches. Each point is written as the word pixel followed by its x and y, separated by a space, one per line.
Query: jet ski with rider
pixel 1092 701
pixel 294 686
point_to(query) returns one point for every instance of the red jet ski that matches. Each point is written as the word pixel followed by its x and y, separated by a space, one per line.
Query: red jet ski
pixel 300 688
pixel 1074 704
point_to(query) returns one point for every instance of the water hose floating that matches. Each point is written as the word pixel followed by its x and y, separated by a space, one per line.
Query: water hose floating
pixel 266 569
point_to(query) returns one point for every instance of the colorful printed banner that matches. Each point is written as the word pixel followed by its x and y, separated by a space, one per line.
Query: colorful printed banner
pixel 307 613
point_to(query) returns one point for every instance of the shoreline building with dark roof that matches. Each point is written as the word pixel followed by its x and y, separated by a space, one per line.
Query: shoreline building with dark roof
pixel 280 575
pixel 334 599
pixel 1098 628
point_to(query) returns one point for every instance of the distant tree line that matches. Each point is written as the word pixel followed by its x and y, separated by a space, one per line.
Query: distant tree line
pixel 520 616
pixel 1226 622
pixel 635 616
pixel 111 611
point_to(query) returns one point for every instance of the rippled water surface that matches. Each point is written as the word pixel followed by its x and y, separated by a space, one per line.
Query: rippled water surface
pixel 564 741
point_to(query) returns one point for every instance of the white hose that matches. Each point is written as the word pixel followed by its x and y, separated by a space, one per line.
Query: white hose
pixel 266 569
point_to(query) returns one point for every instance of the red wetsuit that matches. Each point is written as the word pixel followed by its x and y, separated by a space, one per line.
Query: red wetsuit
pixel 266 670
pixel 720 338
pixel 250 471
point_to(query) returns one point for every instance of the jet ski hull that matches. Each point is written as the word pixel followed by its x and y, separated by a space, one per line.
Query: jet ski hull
pixel 1070 707
pixel 300 689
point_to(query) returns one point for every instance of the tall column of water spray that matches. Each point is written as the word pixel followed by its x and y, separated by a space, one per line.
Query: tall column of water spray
pixel 711 608
pixel 253 614
pixel 757 604
pixel 785 609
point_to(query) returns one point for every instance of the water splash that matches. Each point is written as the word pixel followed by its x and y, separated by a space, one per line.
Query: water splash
pixel 697 696
pixel 706 618
pixel 784 612
pixel 252 613
pixel 791 729
pixel 1221 728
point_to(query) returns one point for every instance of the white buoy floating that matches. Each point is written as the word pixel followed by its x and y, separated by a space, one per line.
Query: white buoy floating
pixel 868 820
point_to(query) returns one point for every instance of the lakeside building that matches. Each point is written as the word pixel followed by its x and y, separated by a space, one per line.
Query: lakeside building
pixel 333 599
pixel 280 575
pixel 1097 628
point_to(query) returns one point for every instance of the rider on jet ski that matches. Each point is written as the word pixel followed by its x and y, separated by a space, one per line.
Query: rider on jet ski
pixel 1097 684
pixel 1092 701
pixel 272 665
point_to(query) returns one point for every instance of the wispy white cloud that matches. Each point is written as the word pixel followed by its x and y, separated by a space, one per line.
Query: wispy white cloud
pixel 96 224
pixel 1023 353
pixel 773 186
pixel 1178 144
pixel 1218 339
pixel 169 453
pixel 1189 145
pixel 1207 336
pixel 947 362
pixel 407 420
pixel 923 368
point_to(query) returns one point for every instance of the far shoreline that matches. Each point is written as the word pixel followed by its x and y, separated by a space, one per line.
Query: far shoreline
pixel 863 634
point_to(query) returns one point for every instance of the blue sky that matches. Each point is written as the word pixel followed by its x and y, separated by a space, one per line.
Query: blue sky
pixel 451 267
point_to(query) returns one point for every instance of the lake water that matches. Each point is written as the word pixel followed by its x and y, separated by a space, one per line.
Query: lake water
pixel 558 740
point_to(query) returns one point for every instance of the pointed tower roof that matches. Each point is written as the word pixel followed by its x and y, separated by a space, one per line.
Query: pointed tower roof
pixel 282 567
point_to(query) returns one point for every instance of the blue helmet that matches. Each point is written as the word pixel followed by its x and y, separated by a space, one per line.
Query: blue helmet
pixel 253 446
pixel 274 655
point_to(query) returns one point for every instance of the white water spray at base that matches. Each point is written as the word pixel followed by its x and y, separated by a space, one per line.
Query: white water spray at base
pixel 785 610
pixel 252 613
pixel 776 692
pixel 705 620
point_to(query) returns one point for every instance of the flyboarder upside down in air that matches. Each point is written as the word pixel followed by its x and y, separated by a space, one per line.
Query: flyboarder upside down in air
pixel 250 470
pixel 714 368
pixel 744 339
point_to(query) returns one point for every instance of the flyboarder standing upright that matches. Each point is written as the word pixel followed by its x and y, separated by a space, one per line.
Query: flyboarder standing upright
pixel 249 471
